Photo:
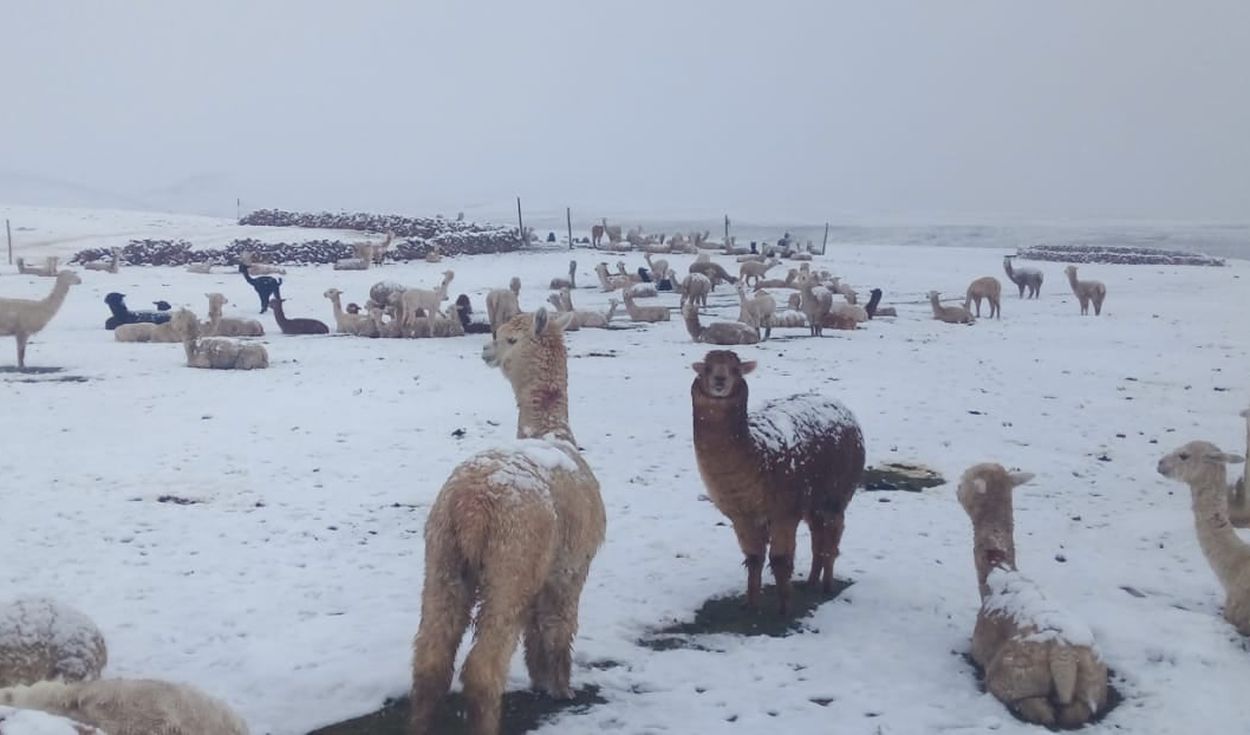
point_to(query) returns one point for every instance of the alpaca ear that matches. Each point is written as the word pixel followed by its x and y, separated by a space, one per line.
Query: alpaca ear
pixel 563 321
pixel 540 321
pixel 1224 458
pixel 1019 478
pixel 698 367
pixel 745 368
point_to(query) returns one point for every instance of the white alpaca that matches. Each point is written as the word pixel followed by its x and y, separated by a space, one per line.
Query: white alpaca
pixel 22 318
pixel 427 300
pixel 344 323
pixel 224 326
pixel 502 304
pixel 215 353
pixel 130 706
pixel 109 266
pixel 42 639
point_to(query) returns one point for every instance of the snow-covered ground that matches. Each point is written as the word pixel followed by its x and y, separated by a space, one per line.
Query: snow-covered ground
pixel 291 589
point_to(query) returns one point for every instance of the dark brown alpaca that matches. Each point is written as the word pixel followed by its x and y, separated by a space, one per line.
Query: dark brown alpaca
pixel 295 326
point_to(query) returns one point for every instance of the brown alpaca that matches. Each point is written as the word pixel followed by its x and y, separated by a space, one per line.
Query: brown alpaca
pixel 596 233
pixel 1086 291
pixel 514 529
pixel 986 287
pixel 796 458
pixel 1037 659
pixel 295 326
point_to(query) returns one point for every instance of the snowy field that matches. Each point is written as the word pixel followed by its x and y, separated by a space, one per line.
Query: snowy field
pixel 291 588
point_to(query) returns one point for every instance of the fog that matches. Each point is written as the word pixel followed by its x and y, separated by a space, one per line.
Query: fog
pixel 768 110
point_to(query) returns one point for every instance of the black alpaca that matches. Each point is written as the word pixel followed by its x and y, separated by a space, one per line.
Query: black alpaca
pixel 464 310
pixel 871 308
pixel 267 287
pixel 121 315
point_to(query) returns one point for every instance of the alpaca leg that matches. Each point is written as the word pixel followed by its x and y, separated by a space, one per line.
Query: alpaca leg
pixel 21 350
pixel 781 559
pixel 264 302
pixel 446 603
pixel 507 593
pixel 836 526
pixel 1036 710
pixel 557 625
pixel 818 526
pixel 753 540
pixel 1097 305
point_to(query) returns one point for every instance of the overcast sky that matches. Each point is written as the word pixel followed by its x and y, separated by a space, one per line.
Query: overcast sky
pixel 768 109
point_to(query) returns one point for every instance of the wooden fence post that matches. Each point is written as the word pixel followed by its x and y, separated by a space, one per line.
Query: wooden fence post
pixel 8 231
pixel 825 243
pixel 520 223
pixel 568 217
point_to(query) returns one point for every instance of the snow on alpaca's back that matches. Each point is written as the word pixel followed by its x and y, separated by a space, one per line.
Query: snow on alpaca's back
pixel 45 634
pixel 522 465
pixel 1016 596
pixel 783 425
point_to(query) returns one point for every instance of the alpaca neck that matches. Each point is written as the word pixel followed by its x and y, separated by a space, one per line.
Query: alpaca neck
pixel 53 302
pixel 1227 554
pixel 993 546
pixel 543 406
pixel 1011 272
pixel 692 324
pixel 720 424
pixel 1076 285
pixel 337 302
pixel 937 306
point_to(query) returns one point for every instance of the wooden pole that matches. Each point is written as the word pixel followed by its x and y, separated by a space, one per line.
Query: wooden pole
pixel 568 217
pixel 8 231
pixel 825 243
pixel 520 224
pixel 726 230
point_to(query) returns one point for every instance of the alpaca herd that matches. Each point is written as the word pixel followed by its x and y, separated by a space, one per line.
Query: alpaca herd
pixel 512 534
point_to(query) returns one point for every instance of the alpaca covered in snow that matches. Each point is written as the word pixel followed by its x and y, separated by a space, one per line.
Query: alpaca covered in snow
pixel 694 289
pixel 794 459
pixel 42 639
pixel 514 529
pixel 1086 291
pixel 1030 278
pixel 130 706
pixel 22 318
pixel 1038 660
pixel 718 333
pixel 1202 466
pixel 216 353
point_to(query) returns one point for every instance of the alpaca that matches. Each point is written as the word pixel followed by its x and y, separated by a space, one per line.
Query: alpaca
pixel 714 272
pixel 986 287
pixel 612 231
pixel 267 288
pixel 1030 278
pixel 344 323
pixel 643 313
pixel 1037 659
pixel 844 316
pixel 200 268
pixel 424 299
pixel 219 326
pixel 570 282
pixel 815 302
pixel 216 353
pixel 385 292
pixel 261 269
pixel 659 268
pixel 694 289
pixel 582 318
pixel 622 273
pixel 758 310
pixel 515 529
pixel 464 311
pixel 110 266
pixel 718 333
pixel 753 269
pixel 44 639
pixel 295 326
pixel 1201 465
pixel 377 253
pixel 23 317
pixel 147 332
pixel 1086 291
pixel 596 233
pixel 796 458
pixel 502 304
pixel 642 290
pixel 116 303
pixel 949 314
pixel 874 309
pixel 384 328
pixel 130 706
pixel 609 281
pixel 836 285
pixel 47 270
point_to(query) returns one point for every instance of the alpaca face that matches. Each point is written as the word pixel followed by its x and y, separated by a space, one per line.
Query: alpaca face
pixel 1195 459
pixel 519 340
pixel 985 483
pixel 721 372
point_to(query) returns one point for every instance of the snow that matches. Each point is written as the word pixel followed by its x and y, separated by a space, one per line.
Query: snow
pixel 785 422
pixel 1016 596
pixel 29 722
pixel 291 589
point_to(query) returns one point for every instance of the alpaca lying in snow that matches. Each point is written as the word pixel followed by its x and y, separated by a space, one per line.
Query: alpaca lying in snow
pixel 116 303
pixel 639 313
pixel 609 282
pixel 216 353
pixel 47 270
pixel 581 317
pixel 345 323
pixel 794 459
pixel 108 266
pixel 470 324
pixel 718 333
pixel 515 529
pixel 949 314
pixel 1202 466
pixel 130 706
pixel 224 326
pixel 44 639
pixel 570 282
pixel 23 318
pixel 1038 660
